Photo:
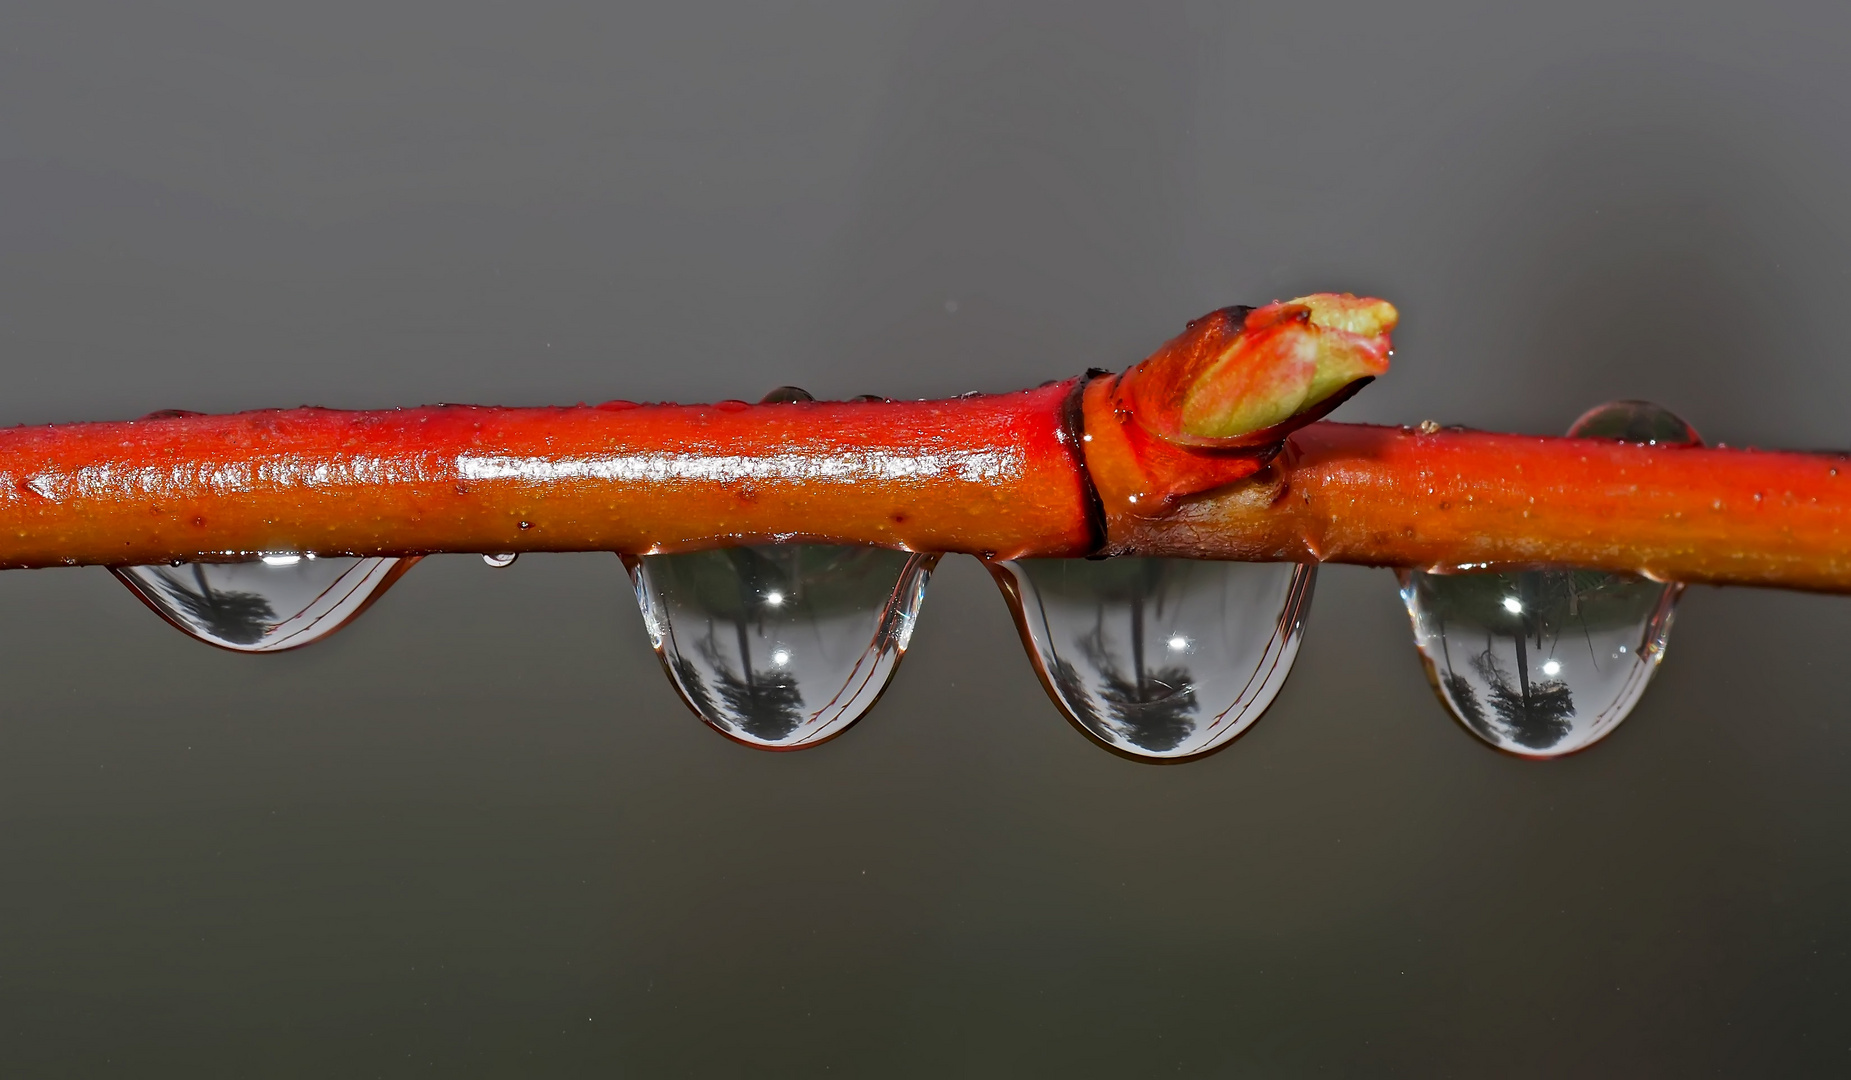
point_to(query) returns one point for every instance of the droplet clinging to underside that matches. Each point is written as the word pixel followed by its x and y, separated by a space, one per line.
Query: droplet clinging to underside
pixel 1159 659
pixel 781 646
pixel 269 604
pixel 1543 663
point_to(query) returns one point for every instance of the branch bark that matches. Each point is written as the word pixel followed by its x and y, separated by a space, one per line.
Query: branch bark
pixel 1449 500
pixel 1208 449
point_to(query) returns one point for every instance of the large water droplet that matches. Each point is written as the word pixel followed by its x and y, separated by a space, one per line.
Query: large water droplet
pixel 1543 663
pixel 781 646
pixel 269 604
pixel 1159 659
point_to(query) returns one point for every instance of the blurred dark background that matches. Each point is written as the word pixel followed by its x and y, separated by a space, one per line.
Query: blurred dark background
pixel 476 834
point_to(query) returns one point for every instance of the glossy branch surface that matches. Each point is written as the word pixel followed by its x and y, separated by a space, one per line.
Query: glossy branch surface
pixel 1208 449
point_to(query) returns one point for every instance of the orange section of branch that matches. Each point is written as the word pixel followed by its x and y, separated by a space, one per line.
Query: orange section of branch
pixel 988 475
pixel 1201 451
pixel 1450 499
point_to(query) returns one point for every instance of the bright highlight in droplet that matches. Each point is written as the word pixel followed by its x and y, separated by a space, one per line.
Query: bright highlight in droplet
pixel 1553 667
pixel 1512 604
pixel 1178 643
pixel 781 657
pixel 774 598
pixel 281 560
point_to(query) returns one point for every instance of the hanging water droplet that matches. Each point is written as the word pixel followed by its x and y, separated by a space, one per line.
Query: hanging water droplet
pixel 505 558
pixel 269 604
pixel 1543 663
pixel 781 646
pixel 1159 659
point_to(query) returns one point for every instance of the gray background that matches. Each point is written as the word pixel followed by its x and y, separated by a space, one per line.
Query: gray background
pixel 476 834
